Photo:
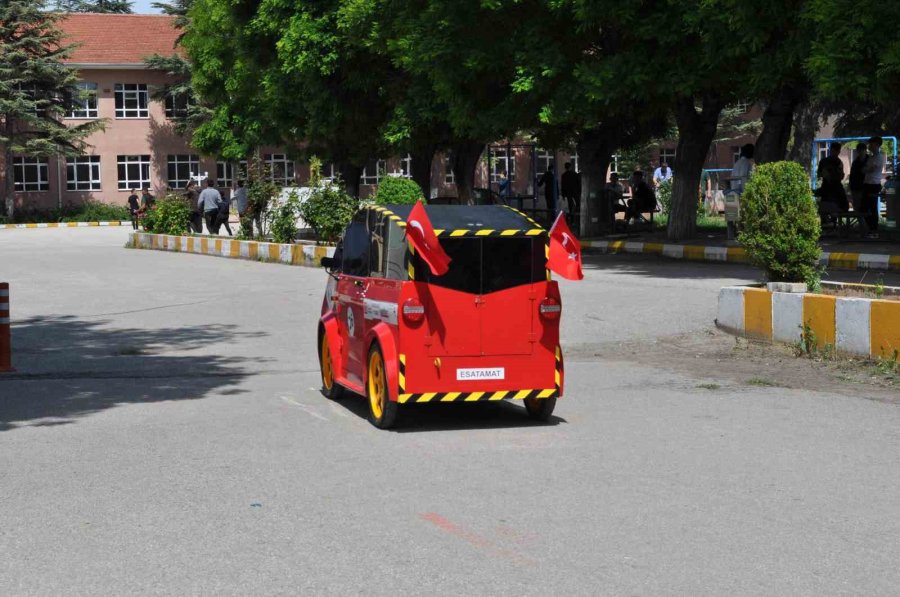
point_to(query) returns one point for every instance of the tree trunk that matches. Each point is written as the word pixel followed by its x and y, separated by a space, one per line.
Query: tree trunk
pixel 806 124
pixel 465 158
pixel 350 174
pixel 772 143
pixel 696 131
pixel 420 167
pixel 595 147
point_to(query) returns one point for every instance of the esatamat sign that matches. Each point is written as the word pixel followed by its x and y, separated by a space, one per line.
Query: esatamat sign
pixel 480 374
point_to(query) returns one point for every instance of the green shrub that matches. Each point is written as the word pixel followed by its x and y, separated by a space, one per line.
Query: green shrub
pixel 780 223
pixel 664 195
pixel 328 210
pixel 170 215
pixel 94 211
pixel 395 190
pixel 284 219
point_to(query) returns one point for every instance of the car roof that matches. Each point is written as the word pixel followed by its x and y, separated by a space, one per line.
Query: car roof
pixel 469 217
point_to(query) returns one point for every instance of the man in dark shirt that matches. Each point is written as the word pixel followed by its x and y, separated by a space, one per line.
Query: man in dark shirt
pixel 832 196
pixel 134 206
pixel 643 199
pixel 570 186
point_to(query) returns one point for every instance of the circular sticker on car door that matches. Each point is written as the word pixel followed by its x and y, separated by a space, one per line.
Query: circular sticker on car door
pixel 351 323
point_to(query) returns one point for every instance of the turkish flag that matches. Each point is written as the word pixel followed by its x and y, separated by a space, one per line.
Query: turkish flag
pixel 420 233
pixel 565 251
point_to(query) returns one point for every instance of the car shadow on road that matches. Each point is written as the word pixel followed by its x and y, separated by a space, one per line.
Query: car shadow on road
pixel 67 368
pixel 417 418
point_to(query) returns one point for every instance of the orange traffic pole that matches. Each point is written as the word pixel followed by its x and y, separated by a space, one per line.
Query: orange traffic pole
pixel 5 343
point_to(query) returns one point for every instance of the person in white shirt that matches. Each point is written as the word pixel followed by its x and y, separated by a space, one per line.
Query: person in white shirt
pixel 872 185
pixel 661 174
pixel 743 168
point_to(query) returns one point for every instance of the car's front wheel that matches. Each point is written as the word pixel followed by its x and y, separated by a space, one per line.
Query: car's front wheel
pixel 382 412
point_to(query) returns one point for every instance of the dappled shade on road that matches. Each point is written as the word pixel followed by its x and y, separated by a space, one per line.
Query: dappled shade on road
pixel 69 367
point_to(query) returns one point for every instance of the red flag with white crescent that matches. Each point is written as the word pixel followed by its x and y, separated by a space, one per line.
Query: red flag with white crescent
pixel 420 234
pixel 565 251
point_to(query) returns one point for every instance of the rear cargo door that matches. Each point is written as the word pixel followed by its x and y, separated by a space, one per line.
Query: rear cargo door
pixel 507 305
pixel 452 301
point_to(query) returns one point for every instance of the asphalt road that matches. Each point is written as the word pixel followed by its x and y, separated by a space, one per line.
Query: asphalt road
pixel 163 436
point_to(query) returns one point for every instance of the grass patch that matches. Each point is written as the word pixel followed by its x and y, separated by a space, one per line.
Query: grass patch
pixel 759 381
pixel 708 386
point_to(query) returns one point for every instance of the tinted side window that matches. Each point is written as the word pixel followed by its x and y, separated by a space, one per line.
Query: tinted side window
pixel 378 230
pixel 356 247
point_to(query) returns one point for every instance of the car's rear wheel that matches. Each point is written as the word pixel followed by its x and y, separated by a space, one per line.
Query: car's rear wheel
pixel 382 412
pixel 540 409
pixel 330 388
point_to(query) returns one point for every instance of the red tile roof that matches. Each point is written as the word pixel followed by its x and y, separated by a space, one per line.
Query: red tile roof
pixel 118 39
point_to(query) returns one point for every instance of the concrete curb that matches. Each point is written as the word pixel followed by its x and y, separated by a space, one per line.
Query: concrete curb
pixel 857 326
pixel 63 225
pixel 301 254
pixel 851 261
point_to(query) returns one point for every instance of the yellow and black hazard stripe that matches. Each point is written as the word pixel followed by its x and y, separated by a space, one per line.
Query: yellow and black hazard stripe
pixel 477 396
pixel 480 232
pixel 390 215
pixel 406 398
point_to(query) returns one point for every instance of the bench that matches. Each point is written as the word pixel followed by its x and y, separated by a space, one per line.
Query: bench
pixel 845 221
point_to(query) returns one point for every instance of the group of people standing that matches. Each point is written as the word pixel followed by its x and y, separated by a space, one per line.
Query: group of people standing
pixel 138 206
pixel 210 206
pixel 864 182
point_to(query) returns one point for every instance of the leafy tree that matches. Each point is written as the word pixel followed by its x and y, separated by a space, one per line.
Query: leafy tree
pixel 36 89
pixel 101 6
pixel 291 72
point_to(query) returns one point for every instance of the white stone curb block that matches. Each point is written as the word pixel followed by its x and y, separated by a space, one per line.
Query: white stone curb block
pixel 787 316
pixel 868 260
pixel 853 325
pixel 715 254
pixel 674 251
pixel 731 308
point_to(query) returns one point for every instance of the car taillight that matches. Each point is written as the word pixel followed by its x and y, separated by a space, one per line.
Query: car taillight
pixel 413 311
pixel 550 308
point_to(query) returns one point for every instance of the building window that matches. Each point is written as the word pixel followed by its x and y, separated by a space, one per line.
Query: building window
pixel 501 162
pixel 327 171
pixel 83 173
pixel 181 168
pixel 449 177
pixel 281 169
pixel 544 160
pixel 406 166
pixel 574 159
pixel 373 172
pixel 822 151
pixel 85 103
pixel 743 106
pixel 132 100
pixel 31 92
pixel 31 174
pixel 667 155
pixel 177 105
pixel 134 172
pixel 227 173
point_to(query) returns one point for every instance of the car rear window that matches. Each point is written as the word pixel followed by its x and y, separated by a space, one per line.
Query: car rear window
pixel 485 265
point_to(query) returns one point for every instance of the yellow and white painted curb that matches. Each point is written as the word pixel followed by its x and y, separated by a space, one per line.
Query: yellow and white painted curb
pixel 858 326
pixel 307 255
pixel 851 261
pixel 63 225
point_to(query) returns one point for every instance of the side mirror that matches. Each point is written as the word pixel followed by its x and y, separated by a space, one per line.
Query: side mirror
pixel 328 263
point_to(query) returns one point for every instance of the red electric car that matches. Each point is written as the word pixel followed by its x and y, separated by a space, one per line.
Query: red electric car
pixel 488 329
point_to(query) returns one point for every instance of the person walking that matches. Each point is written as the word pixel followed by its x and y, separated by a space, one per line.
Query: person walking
pixel 570 185
pixel 224 214
pixel 134 207
pixel 857 179
pixel 242 203
pixel 191 194
pixel 209 203
pixel 872 187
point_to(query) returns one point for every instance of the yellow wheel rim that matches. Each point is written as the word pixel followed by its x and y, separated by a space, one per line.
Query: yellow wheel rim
pixel 327 372
pixel 376 384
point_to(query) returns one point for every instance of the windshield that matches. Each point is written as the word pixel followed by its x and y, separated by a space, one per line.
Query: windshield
pixel 485 265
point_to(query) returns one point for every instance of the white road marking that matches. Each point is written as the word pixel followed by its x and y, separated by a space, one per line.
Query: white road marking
pixel 304 408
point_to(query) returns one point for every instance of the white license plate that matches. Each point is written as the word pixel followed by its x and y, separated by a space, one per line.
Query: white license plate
pixel 487 374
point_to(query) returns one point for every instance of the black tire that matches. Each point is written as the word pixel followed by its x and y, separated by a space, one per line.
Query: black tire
pixel 540 409
pixel 382 412
pixel 330 388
